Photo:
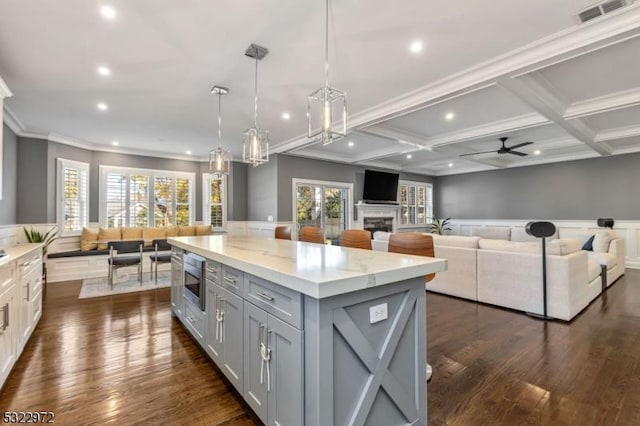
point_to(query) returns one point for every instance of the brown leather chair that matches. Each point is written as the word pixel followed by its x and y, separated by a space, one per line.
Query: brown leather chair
pixel 312 234
pixel 355 238
pixel 413 243
pixel 283 232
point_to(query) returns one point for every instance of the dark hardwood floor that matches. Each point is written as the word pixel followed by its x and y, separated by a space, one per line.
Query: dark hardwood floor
pixel 123 360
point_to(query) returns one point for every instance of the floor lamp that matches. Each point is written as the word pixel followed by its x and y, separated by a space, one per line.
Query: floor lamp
pixel 542 230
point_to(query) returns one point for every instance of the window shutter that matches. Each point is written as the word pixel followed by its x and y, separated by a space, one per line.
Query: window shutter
pixel 116 199
pixel 139 200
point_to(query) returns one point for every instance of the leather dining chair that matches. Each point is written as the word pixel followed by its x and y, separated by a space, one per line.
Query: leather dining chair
pixel 162 254
pixel 125 253
pixel 283 232
pixel 417 244
pixel 311 234
pixel 355 238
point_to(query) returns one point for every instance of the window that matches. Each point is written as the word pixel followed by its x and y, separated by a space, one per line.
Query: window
pixel 72 206
pixel 323 204
pixel 140 197
pixel 416 203
pixel 214 201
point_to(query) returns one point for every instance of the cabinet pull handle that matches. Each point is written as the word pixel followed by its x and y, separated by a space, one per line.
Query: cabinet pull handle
pixel 230 280
pixel 5 319
pixel 28 291
pixel 264 296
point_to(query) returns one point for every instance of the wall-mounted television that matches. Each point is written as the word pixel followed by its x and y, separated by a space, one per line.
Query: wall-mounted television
pixel 380 187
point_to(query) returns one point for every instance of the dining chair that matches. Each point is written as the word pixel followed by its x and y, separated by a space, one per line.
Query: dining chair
pixel 283 232
pixel 125 253
pixel 162 254
pixel 355 238
pixel 311 234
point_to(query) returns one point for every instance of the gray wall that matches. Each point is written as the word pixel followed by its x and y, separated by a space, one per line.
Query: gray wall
pixel 9 176
pixel 290 167
pixel 262 190
pixel 237 192
pixel 575 190
pixel 32 198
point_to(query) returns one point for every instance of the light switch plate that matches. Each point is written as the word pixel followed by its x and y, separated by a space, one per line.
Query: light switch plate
pixel 378 313
pixel 269 218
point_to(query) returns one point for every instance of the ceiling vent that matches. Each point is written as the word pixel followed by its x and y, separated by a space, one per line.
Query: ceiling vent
pixel 601 9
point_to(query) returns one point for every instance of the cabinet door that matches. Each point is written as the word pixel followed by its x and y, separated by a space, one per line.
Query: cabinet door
pixel 232 342
pixel 25 290
pixel 213 340
pixel 176 288
pixel 286 396
pixel 255 377
pixel 8 347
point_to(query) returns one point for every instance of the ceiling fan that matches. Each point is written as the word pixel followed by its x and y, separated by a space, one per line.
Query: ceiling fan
pixel 504 149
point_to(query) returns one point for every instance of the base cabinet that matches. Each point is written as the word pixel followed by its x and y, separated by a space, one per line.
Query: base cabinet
pixel 274 379
pixel 177 301
pixel 8 332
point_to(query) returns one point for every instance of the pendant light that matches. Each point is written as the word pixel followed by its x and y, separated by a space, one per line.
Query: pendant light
pixel 219 159
pixel 255 149
pixel 322 102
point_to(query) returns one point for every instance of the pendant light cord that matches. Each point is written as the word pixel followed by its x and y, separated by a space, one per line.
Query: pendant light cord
pixel 255 112
pixel 219 120
pixel 326 46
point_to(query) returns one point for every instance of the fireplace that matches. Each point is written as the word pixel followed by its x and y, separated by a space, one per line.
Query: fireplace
pixel 373 224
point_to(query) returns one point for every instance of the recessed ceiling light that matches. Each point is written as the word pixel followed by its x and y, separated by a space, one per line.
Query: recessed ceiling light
pixel 188 152
pixel 351 144
pixel 104 71
pixel 450 164
pixel 102 106
pixel 115 143
pixel 537 152
pixel 409 155
pixel 108 12
pixel 286 116
pixel 416 47
pixel 450 116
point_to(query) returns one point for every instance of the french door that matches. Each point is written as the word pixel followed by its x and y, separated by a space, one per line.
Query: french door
pixel 326 205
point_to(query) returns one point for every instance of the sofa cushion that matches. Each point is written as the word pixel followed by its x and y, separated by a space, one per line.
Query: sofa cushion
pixel 131 233
pixel 108 234
pixel 604 259
pixel 172 231
pixel 89 239
pixel 455 241
pixel 150 234
pixel 186 231
pixel 382 235
pixel 203 230
pixel 491 232
pixel 601 242
pixel 554 247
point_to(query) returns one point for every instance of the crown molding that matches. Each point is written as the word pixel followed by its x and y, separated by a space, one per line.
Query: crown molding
pixel 619 133
pixel 606 103
pixel 5 92
pixel 12 121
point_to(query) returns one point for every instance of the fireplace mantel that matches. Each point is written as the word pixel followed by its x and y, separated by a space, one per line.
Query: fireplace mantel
pixel 364 210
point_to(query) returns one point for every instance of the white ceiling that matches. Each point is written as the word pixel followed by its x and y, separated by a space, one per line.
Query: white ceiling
pixel 520 69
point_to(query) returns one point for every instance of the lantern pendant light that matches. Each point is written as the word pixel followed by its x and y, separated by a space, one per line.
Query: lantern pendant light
pixel 255 149
pixel 219 159
pixel 326 103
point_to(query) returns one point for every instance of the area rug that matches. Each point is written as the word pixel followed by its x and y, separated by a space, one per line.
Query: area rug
pixel 98 287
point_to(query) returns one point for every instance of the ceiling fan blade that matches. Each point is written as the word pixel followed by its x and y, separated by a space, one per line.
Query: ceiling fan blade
pixel 519 145
pixel 476 153
pixel 521 154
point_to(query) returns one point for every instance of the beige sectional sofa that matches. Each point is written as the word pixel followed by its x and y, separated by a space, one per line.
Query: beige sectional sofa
pixel 488 268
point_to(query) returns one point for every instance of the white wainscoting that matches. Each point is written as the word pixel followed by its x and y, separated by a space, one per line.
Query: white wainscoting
pixel 629 230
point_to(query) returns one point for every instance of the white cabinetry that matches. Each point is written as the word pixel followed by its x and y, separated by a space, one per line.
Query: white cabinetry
pixel 20 302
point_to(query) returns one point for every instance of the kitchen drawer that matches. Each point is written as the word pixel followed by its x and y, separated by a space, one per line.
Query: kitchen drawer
pixel 214 271
pixel 6 276
pixel 195 320
pixel 232 280
pixel 281 302
pixel 30 264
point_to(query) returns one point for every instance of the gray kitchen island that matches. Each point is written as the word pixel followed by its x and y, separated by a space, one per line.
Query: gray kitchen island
pixel 309 334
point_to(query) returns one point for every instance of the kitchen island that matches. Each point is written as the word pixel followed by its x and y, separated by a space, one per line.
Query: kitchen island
pixel 308 333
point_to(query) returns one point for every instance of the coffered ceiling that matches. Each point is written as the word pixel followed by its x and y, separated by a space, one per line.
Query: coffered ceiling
pixel 518 69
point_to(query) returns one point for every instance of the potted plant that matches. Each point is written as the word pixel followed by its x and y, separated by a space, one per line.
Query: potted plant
pixel 439 226
pixel 35 236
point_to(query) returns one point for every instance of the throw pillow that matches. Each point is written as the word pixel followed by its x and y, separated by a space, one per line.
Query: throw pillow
pixel 186 231
pixel 108 234
pixel 88 239
pixel 172 231
pixel 601 242
pixel 150 234
pixel 588 245
pixel 203 230
pixel 131 233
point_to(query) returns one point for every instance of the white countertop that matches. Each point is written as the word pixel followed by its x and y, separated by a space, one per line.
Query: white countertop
pixel 17 251
pixel 316 270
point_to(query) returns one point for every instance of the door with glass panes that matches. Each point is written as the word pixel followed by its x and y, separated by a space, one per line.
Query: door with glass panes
pixel 326 205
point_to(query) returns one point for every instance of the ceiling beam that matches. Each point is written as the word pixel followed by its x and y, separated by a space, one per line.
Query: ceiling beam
pixel 620 133
pixel 539 96
pixel 606 103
